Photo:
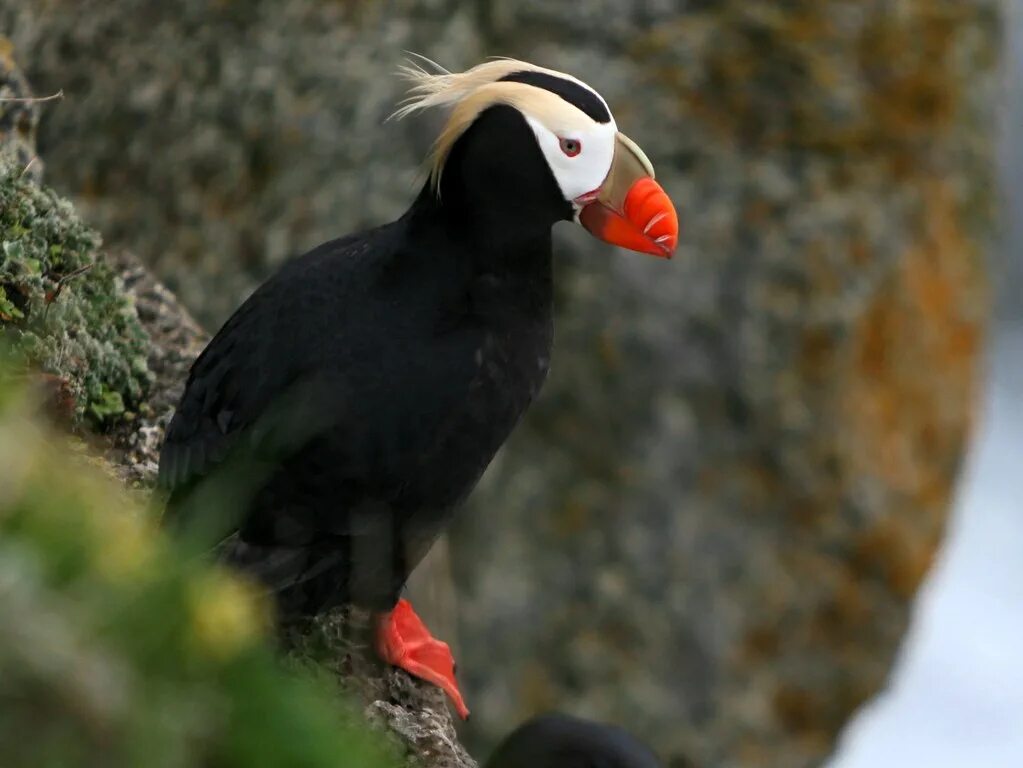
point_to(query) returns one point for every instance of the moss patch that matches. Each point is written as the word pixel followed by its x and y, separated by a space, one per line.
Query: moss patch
pixel 63 308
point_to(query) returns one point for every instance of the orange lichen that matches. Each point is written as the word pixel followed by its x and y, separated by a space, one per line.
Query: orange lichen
pixel 761 643
pixel 923 322
pixel 899 429
pixel 817 351
pixel 912 95
pixel 798 708
pixel 893 551
pixel 908 90
pixel 843 611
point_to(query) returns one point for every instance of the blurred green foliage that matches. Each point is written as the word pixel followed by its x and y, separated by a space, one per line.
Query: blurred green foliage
pixel 118 648
pixel 63 307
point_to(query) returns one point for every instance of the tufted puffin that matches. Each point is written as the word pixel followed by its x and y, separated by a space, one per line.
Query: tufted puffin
pixel 354 399
pixel 560 741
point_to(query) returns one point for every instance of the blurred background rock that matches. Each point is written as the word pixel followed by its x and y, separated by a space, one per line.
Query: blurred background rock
pixel 955 697
pixel 710 527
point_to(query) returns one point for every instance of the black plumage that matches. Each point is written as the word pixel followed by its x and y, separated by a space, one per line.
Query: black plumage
pixel 560 741
pixel 359 393
pixel 333 425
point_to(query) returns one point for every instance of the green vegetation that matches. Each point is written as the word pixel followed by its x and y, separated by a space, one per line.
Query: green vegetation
pixel 118 648
pixel 63 308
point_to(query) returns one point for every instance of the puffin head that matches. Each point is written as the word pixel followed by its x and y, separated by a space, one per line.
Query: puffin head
pixel 545 144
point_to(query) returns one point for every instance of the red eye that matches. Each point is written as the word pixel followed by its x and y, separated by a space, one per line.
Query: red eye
pixel 571 147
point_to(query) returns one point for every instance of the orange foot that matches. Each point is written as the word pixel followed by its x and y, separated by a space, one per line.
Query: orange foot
pixel 404 641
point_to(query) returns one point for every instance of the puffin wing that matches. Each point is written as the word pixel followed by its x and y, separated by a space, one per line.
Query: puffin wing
pixel 256 381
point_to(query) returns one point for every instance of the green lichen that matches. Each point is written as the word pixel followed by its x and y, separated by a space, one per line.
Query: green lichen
pixel 63 308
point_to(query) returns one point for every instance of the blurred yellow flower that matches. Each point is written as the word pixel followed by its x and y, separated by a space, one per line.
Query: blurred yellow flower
pixel 227 614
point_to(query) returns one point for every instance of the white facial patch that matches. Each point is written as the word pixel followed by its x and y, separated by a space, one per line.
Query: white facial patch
pixel 585 171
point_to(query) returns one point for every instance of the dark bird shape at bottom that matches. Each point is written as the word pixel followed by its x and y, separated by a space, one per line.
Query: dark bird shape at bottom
pixel 560 741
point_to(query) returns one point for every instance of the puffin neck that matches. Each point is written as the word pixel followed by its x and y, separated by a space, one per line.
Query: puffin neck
pixel 497 195
pixel 494 234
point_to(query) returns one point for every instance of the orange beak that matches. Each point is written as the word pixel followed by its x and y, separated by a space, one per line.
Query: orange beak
pixel 630 209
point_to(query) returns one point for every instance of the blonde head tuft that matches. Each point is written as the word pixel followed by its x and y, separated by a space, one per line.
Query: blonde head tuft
pixel 468 93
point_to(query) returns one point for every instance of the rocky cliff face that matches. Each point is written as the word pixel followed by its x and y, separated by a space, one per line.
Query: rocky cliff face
pixel 710 527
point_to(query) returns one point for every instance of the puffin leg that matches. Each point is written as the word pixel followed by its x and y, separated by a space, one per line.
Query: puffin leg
pixel 403 640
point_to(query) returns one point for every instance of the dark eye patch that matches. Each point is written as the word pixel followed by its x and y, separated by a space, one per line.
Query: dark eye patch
pixel 576 95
